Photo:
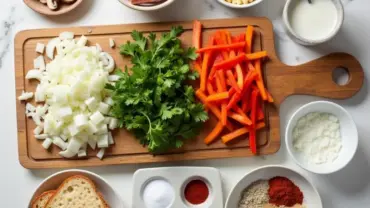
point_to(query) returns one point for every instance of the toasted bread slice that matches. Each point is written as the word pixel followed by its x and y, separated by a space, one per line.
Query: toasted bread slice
pixel 41 200
pixel 77 192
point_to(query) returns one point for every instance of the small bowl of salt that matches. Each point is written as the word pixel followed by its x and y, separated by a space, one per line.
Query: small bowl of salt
pixel 321 137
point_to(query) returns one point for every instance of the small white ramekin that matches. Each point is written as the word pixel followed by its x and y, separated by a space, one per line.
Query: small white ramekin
pixel 146 8
pixel 239 6
pixel 304 41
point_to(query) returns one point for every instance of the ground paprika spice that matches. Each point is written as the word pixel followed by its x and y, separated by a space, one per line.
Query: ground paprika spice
pixel 283 192
pixel 196 192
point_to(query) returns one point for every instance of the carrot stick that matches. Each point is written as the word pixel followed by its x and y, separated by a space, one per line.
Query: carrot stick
pixel 205 64
pixel 221 77
pixel 233 101
pixel 260 84
pixel 241 119
pixel 219 86
pixel 249 38
pixel 214 133
pixel 221 47
pixel 202 97
pixel 231 62
pixel 237 133
pixel 239 71
pixel 232 80
pixel 197 34
pixel 257 55
pixel 218 97
pixel 223 114
pixel 269 97
pixel 210 89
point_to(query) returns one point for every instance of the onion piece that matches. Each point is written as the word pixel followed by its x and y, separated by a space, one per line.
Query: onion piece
pixel 97 117
pixel 66 35
pixel 34 74
pixel 41 136
pixel 103 141
pixel 110 138
pixel 40 48
pixel 100 154
pixel 72 149
pixel 47 142
pixel 82 41
pixel 39 63
pixel 50 47
pixel 113 78
pixel 25 96
pixel 60 143
pixel 38 130
pixel 113 124
pixel 111 43
pixel 92 141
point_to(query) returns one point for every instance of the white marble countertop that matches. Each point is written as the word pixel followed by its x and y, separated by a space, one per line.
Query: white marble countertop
pixel 347 188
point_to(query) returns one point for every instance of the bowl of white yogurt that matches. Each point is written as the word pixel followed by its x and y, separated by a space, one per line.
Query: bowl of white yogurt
pixel 313 22
pixel 321 137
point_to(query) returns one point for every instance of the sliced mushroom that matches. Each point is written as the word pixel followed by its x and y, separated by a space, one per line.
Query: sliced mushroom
pixel 43 1
pixel 52 4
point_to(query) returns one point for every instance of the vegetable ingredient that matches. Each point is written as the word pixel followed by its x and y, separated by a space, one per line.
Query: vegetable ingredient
pixel 196 192
pixel 152 99
pixel 240 2
pixel 232 85
pixel 72 90
pixel 284 192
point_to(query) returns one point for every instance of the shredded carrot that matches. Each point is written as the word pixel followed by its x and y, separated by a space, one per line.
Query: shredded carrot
pixel 239 132
pixel 214 133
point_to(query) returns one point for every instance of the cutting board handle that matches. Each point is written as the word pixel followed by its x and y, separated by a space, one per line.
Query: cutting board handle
pixel 316 77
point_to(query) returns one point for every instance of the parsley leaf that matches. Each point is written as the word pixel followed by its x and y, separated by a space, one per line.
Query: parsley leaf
pixel 151 98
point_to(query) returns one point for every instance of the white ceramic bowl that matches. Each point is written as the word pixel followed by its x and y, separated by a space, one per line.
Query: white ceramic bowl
pixel 52 183
pixel 146 8
pixel 310 194
pixel 236 6
pixel 348 133
pixel 305 41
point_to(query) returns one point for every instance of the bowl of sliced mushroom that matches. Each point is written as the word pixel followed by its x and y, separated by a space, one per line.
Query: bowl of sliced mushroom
pixel 52 7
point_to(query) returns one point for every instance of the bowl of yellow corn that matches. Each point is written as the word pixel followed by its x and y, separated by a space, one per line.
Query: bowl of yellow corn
pixel 239 4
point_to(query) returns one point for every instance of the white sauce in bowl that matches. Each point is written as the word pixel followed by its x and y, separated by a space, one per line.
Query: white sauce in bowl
pixel 314 21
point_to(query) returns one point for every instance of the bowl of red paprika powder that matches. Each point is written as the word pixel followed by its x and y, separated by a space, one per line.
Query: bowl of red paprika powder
pixel 274 186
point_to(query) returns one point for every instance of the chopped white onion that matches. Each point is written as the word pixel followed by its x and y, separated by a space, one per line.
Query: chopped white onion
pixel 92 141
pixel 98 47
pixel 109 101
pixel 102 129
pixel 91 103
pixel 41 136
pixel 25 96
pixel 72 149
pixel 60 143
pixel 100 154
pixel 82 41
pixel 38 130
pixel 39 63
pixel 97 117
pixel 40 48
pixel 103 141
pixel 107 120
pixel 34 74
pixel 110 138
pixel 111 43
pixel 103 108
pixel 47 142
pixel 66 35
pixel 113 78
pixel 113 124
pixel 81 153
pixel 50 47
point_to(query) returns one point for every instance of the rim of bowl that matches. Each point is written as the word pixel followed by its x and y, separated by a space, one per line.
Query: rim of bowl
pixel 70 7
pixel 288 135
pixel 306 41
pixel 236 6
pixel 146 8
pixel 274 166
pixel 73 170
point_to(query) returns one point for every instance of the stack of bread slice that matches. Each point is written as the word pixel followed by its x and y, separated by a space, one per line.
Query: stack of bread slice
pixel 75 192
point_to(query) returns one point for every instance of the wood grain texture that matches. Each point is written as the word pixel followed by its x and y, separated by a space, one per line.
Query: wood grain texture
pixel 312 78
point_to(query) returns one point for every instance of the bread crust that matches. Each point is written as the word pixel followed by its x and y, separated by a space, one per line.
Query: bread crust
pixel 35 201
pixel 78 177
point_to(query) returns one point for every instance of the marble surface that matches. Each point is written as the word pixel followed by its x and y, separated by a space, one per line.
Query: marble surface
pixel 348 188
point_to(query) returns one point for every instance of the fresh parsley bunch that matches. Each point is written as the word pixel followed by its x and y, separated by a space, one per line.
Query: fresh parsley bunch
pixel 152 98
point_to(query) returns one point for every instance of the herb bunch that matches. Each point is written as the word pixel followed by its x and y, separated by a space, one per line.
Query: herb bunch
pixel 152 98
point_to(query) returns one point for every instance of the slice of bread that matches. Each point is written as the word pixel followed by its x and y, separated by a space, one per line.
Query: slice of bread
pixel 77 192
pixel 41 200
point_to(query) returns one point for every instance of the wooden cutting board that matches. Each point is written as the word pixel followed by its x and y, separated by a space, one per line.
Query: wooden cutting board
pixel 313 78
